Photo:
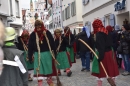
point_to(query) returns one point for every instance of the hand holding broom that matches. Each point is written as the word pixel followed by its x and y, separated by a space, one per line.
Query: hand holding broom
pixel 57 77
pixel 111 82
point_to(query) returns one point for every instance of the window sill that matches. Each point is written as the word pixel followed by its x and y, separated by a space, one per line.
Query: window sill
pixel 17 16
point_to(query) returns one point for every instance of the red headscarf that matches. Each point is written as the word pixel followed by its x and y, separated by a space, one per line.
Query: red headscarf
pixel 67 31
pixel 109 28
pixel 98 26
pixel 25 36
pixel 40 33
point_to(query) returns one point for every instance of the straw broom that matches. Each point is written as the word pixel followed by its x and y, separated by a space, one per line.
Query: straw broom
pixel 109 79
pixel 57 77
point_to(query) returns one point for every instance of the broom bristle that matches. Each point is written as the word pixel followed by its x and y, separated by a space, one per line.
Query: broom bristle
pixel 111 82
pixel 58 82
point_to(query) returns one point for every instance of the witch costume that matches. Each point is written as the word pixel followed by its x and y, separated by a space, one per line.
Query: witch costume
pixel 62 58
pixel 22 44
pixel 104 50
pixel 44 65
pixel 70 37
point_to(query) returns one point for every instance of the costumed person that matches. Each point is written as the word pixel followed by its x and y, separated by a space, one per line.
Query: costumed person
pixel 22 44
pixel 62 58
pixel 2 38
pixel 103 47
pixel 15 70
pixel 70 37
pixel 84 52
pixel 44 65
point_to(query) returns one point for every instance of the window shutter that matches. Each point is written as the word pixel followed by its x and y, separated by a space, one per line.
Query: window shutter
pixel 103 21
pixel 112 20
pixel 89 26
pixel 74 8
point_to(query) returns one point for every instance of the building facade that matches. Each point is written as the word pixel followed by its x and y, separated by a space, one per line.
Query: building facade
pixel 111 12
pixel 10 14
pixel 72 14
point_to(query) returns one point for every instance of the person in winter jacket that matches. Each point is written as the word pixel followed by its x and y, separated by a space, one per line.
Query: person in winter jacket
pixel 84 52
pixel 13 75
pixel 125 43
pixel 2 38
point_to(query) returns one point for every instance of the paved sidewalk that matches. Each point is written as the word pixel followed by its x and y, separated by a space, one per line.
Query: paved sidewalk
pixel 79 78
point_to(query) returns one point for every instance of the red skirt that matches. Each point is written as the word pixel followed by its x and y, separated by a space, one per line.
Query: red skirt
pixel 110 65
pixel 54 71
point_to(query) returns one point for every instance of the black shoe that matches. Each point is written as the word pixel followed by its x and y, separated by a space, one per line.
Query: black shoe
pixel 64 70
pixel 69 74
pixel 83 69
pixel 87 70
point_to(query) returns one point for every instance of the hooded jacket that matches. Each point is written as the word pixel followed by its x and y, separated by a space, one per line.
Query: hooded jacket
pixel 80 46
pixel 11 75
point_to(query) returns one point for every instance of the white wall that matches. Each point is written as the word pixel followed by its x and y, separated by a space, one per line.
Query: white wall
pixel 108 9
pixel 4 8
pixel 93 4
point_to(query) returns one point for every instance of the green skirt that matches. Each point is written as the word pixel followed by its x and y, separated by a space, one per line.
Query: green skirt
pixel 29 66
pixel 45 67
pixel 71 51
pixel 95 64
pixel 63 60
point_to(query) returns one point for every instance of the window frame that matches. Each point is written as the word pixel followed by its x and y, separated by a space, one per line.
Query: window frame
pixel 18 16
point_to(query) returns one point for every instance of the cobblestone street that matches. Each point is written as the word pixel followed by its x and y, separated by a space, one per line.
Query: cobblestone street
pixel 79 78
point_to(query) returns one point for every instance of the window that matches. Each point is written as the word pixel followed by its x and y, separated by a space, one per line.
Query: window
pixel 66 13
pixel 73 9
pixel 17 8
pixel 107 20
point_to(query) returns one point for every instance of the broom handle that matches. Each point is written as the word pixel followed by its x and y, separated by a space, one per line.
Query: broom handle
pixel 94 54
pixel 24 45
pixel 50 47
